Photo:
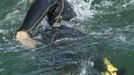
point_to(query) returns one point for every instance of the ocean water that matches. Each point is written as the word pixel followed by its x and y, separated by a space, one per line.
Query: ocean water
pixel 109 26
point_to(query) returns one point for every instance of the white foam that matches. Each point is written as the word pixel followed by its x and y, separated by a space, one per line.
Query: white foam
pixel 121 38
pixel 82 8
pixel 83 72
pixel 106 3
pixel 85 66
pixel 2 69
pixel 132 2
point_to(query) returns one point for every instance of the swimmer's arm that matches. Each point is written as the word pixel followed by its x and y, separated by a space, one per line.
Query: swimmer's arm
pixel 36 13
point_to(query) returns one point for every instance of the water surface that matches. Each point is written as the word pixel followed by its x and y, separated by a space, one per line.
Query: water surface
pixel 109 26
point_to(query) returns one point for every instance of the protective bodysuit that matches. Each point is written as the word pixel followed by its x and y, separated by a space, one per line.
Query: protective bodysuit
pixel 55 10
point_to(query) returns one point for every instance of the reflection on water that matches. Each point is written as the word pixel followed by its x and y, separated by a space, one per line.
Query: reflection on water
pixel 109 28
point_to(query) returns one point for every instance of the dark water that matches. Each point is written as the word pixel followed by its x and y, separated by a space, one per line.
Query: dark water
pixel 109 26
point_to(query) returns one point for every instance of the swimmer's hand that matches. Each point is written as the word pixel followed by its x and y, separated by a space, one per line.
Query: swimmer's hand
pixel 25 39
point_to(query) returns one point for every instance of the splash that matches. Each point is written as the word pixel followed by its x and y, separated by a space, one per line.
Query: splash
pixel 82 8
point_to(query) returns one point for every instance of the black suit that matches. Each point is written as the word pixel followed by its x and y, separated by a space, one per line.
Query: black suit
pixel 55 10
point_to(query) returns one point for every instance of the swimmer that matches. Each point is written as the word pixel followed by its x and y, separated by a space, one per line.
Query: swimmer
pixel 54 10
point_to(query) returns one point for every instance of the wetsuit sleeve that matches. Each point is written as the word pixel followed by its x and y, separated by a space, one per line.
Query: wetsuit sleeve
pixel 35 14
pixel 63 11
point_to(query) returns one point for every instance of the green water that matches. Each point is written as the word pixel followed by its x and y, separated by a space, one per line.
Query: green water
pixel 111 26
